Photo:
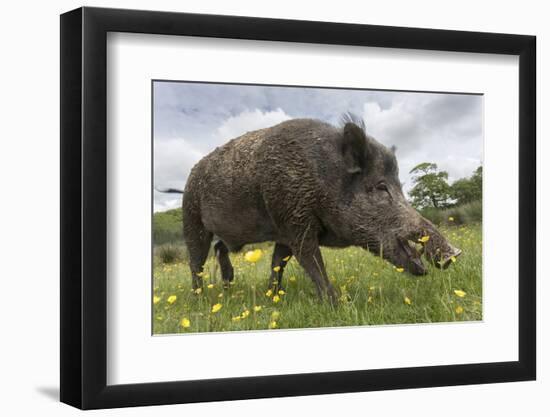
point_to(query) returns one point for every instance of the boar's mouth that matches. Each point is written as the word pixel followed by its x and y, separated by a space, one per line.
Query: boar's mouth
pixel 409 257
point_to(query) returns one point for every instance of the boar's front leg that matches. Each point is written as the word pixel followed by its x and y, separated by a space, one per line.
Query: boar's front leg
pixel 281 255
pixel 311 260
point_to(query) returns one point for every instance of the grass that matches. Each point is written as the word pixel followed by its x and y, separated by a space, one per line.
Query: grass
pixel 464 214
pixel 373 292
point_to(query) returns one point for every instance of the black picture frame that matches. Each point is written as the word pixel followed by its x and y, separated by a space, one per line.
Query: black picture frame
pixel 84 207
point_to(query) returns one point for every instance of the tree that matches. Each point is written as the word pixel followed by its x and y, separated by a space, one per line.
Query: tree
pixel 431 188
pixel 466 190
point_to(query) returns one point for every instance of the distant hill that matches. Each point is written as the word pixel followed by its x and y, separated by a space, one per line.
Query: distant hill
pixel 167 227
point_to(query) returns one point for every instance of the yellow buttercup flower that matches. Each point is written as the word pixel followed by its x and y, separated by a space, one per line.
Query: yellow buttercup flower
pixel 407 301
pixel 292 279
pixel 185 323
pixel 172 299
pixel 245 314
pixel 273 325
pixel 156 299
pixel 220 295
pixel 276 299
pixel 451 219
pixel 216 308
pixel 277 268
pixel 210 286
pixel 269 293
pixel 424 239
pixel 257 308
pixel 253 256
pixel 286 258
pixel 275 315
pixel 459 293
pixel 399 269
pixel 459 310
pixel 236 318
pixel 453 259
pixel 282 292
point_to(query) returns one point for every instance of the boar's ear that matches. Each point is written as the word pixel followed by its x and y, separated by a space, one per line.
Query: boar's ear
pixel 354 148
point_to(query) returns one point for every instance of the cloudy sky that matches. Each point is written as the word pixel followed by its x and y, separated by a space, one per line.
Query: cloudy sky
pixel 191 119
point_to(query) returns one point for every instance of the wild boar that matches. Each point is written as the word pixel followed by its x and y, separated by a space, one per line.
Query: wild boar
pixel 304 184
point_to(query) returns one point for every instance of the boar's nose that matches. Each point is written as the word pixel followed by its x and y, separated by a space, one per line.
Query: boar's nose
pixel 450 258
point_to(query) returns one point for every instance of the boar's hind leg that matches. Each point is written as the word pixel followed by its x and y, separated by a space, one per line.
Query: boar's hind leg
pixel 198 240
pixel 312 261
pixel 281 255
pixel 222 253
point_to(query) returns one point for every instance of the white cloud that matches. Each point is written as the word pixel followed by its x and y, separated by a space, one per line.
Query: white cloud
pixel 248 121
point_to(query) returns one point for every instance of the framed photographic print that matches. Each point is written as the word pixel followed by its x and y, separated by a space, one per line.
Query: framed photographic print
pixel 258 207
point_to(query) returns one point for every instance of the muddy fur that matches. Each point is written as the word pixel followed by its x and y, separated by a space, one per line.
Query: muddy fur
pixel 304 183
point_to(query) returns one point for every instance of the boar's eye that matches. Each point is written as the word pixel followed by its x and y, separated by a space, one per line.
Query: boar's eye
pixel 382 186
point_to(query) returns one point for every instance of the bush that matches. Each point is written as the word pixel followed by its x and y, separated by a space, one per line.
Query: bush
pixel 168 226
pixel 170 253
pixel 465 214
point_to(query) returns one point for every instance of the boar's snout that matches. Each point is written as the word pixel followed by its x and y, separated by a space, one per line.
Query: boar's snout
pixel 440 252
pixel 446 258
pixel 427 241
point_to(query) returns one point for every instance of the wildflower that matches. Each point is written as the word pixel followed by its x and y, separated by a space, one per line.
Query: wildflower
pixel 198 291
pixel 281 292
pixel 407 301
pixel 453 259
pixel 257 309
pixel 399 269
pixel 369 300
pixel 253 256
pixel 276 299
pixel 156 299
pixel 459 310
pixel 172 299
pixel 220 295
pixel 275 315
pixel 245 314
pixel 210 286
pixel 292 278
pixel 273 324
pixel 424 239
pixel 200 274
pixel 185 323
pixel 286 258
pixel 269 293
pixel 216 308
pixel 451 219
pixel 459 293
pixel 277 268
pixel 236 318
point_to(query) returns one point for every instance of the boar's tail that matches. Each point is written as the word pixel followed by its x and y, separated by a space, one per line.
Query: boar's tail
pixel 169 190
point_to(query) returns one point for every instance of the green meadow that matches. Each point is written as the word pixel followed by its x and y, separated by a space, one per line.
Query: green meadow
pixel 372 291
